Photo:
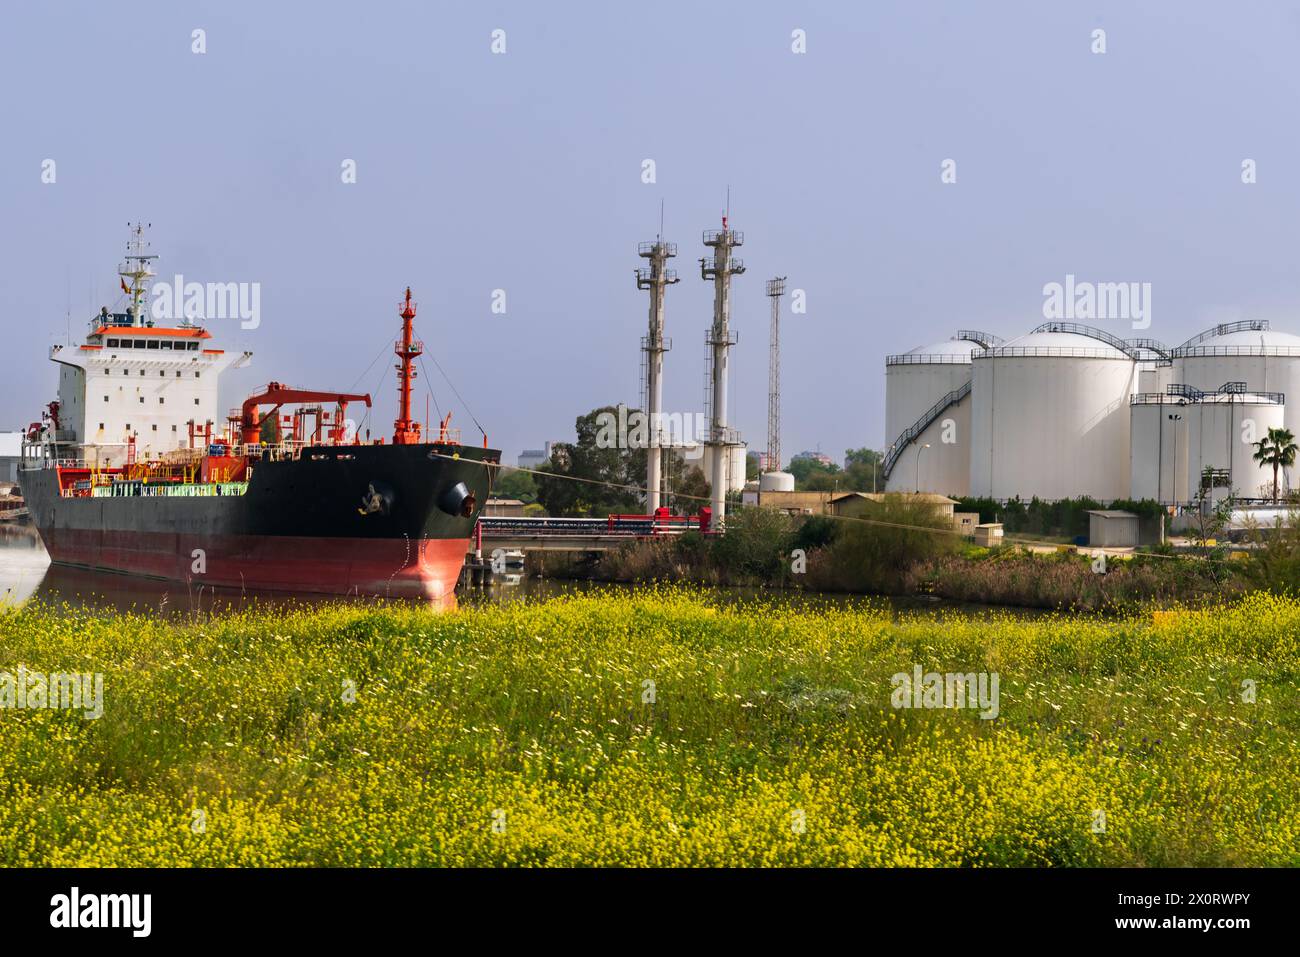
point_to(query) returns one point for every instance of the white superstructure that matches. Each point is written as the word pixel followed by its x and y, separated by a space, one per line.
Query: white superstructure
pixel 135 389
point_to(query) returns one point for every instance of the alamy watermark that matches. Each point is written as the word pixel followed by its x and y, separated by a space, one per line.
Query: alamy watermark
pixel 33 690
pixel 634 429
pixel 1120 301
pixel 205 301
pixel 931 689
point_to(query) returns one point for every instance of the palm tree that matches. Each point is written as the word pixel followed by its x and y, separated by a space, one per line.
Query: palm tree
pixel 1277 449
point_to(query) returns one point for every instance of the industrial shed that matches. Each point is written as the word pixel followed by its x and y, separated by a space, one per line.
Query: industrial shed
pixel 1111 528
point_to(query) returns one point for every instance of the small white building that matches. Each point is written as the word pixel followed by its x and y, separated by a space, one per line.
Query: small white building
pixel 1111 528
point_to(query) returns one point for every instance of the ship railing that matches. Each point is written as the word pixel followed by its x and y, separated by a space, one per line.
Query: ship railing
pixel 275 453
pixel 417 346
pixel 182 456
pixel 448 436
pixel 136 489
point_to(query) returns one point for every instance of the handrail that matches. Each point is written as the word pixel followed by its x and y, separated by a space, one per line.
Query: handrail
pixel 1223 329
pixel 1261 350
pixel 1152 345
pixel 985 339
pixel 923 358
pixel 1076 352
pixel 919 426
pixel 1182 394
pixel 1092 332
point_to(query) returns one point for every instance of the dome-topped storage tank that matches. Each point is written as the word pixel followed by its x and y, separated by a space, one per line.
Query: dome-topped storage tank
pixel 1050 415
pixel 1222 428
pixel 927 403
pixel 1265 359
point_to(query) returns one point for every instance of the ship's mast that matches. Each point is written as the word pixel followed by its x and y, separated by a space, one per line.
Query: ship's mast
pixel 405 430
pixel 137 268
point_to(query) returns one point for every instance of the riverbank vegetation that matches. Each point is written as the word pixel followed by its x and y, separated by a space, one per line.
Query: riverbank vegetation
pixel 655 728
pixel 904 548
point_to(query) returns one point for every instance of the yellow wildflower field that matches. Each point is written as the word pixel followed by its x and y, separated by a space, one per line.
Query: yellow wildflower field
pixel 659 727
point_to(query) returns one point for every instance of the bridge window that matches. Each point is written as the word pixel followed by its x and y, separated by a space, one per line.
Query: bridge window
pixel 125 343
pixel 161 400
pixel 139 343
pixel 112 344
pixel 153 344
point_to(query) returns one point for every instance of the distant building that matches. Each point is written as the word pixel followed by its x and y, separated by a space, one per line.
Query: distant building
pixel 854 504
pixel 532 458
pixel 11 444
pixel 503 508
pixel 821 458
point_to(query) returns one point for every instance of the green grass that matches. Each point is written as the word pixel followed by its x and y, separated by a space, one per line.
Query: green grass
pixel 761 711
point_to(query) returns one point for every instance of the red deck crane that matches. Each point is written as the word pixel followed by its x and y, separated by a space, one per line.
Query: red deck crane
pixel 276 395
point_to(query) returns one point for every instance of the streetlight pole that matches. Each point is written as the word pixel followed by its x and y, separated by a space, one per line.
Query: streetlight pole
pixel 918 466
pixel 1175 419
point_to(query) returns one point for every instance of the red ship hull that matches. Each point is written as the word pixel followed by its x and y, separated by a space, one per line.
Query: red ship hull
pixel 397 568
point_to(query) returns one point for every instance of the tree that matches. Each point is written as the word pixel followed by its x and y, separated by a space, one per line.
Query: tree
pixel 862 470
pixel 690 492
pixel 1277 449
pixel 514 483
pixel 597 476
pixel 811 476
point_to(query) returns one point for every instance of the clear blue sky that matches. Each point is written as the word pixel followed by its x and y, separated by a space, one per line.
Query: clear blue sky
pixel 523 172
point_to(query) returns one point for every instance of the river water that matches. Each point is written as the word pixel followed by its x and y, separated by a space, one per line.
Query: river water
pixel 26 574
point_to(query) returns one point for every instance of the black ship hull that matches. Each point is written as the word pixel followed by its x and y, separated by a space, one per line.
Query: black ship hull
pixel 392 520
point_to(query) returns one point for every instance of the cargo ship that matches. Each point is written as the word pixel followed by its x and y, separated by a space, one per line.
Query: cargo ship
pixel 130 470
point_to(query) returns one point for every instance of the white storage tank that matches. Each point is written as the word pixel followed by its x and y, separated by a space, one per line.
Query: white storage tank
pixel 1222 428
pixel 736 465
pixel 917 382
pixel 1050 415
pixel 1249 352
pixel 776 482
pixel 1158 447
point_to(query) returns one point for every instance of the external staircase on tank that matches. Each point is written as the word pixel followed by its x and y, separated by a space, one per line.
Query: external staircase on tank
pixel 919 426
